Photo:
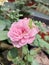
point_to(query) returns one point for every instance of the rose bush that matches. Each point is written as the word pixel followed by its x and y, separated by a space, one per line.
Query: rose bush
pixel 22 32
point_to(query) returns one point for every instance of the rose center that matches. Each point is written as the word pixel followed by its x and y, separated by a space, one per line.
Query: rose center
pixel 24 30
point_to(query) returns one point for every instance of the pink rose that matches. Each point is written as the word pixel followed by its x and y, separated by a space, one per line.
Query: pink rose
pixel 21 33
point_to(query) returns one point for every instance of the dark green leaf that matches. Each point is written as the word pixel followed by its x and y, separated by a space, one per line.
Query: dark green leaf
pixel 12 54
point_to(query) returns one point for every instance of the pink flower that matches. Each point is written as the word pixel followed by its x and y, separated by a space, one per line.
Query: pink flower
pixel 21 33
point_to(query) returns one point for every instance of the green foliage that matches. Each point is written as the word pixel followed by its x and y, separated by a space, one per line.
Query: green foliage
pixel 42 44
pixel 25 50
pixel 7 6
pixel 40 26
pixel 29 58
pixel 12 54
pixel 10 11
pixel 46 38
pixel 18 61
pixel 8 14
pixel 22 2
pixel 43 1
pixel 2 25
pixel 34 62
pixel 8 24
pixel 34 52
pixel 14 15
pixel 3 35
pixel 30 23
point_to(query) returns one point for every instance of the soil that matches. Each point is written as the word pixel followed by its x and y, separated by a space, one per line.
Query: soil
pixel 42 59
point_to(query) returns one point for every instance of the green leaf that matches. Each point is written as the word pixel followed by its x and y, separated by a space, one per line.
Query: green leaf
pixel 30 23
pixel 38 36
pixel 36 41
pixel 18 61
pixel 29 58
pixel 42 44
pixel 2 25
pixel 34 62
pixel 9 41
pixel 43 1
pixel 46 38
pixel 12 54
pixel 3 35
pixel 40 26
pixel 22 63
pixel 8 24
pixel 25 50
pixel 34 52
